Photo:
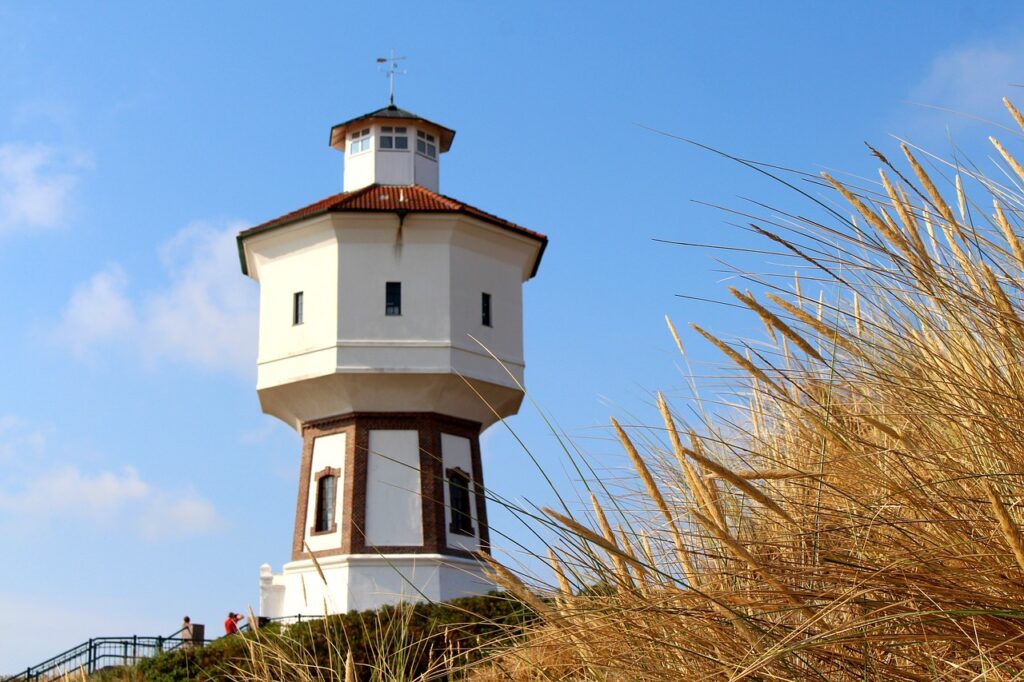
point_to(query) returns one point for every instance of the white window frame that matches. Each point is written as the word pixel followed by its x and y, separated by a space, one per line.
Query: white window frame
pixel 426 144
pixel 390 137
pixel 359 142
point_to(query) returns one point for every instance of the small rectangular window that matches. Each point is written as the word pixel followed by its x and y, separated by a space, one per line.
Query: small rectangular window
pixel 393 298
pixel 425 144
pixel 485 309
pixel 392 137
pixel 297 308
pixel 360 141
pixel 459 502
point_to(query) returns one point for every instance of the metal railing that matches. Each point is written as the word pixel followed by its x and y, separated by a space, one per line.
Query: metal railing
pixel 101 652
pixel 281 620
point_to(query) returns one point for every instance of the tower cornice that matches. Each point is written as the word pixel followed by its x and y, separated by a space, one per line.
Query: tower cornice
pixel 398 199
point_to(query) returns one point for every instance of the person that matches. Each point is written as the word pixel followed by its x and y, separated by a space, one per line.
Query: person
pixel 231 623
pixel 186 633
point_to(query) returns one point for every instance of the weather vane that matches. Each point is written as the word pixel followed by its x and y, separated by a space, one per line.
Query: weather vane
pixel 392 70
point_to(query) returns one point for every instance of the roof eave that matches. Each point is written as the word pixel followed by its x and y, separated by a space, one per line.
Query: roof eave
pixel 540 254
pixel 474 214
pixel 255 231
pixel 447 135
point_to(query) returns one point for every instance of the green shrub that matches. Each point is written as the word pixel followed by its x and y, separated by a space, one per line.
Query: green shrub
pixel 404 640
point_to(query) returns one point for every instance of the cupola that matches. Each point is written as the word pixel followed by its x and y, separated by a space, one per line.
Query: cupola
pixel 391 146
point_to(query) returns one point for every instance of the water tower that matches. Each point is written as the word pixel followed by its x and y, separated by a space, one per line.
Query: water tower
pixel 370 301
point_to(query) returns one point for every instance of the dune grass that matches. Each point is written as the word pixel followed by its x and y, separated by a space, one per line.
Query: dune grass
pixel 850 511
pixel 855 512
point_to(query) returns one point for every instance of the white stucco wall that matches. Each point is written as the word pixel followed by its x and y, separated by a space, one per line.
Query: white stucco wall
pixel 338 359
pixel 456 453
pixel 299 258
pixel 359 582
pixel 394 513
pixel 328 451
pixel 374 253
pixel 482 261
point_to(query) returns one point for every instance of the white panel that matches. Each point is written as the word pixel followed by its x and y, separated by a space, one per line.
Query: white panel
pixel 427 173
pixel 372 254
pixel 456 454
pixel 328 451
pixel 299 258
pixel 359 168
pixel 360 582
pixel 394 512
pixel 394 167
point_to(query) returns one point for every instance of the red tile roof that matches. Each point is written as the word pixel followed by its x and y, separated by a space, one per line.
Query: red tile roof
pixel 390 199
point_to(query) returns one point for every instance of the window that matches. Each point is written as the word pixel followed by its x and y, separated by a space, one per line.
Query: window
pixel 425 144
pixel 326 491
pixel 458 500
pixel 359 141
pixel 393 138
pixel 297 308
pixel 393 298
pixel 485 309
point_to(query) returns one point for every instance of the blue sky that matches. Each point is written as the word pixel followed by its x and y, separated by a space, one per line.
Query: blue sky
pixel 139 480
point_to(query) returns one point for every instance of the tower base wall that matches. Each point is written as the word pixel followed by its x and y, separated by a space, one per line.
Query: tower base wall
pixel 360 582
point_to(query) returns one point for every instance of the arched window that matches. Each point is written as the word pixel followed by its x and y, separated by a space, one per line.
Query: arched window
pixel 326 492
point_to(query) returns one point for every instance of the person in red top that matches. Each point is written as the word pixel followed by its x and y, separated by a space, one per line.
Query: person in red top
pixel 231 623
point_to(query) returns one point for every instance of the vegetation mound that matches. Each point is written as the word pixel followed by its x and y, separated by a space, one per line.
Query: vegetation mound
pixel 394 642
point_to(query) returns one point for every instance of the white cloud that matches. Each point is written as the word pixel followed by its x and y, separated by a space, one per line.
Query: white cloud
pixel 110 498
pixel 205 315
pixel 181 514
pixel 64 490
pixel 18 439
pixel 98 311
pixel 972 80
pixel 37 490
pixel 36 183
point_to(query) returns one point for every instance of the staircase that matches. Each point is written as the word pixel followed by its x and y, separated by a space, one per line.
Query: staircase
pixel 101 652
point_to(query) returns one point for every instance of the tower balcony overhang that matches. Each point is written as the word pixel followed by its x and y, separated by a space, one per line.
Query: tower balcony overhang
pixel 413 377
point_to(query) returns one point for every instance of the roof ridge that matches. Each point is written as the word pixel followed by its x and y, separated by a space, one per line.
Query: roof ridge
pixel 454 203
pixel 349 197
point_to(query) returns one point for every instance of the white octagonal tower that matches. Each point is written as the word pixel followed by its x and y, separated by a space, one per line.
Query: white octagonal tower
pixel 380 309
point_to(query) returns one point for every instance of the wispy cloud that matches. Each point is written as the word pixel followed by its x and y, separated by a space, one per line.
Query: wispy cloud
pixel 98 312
pixel 109 499
pixel 204 315
pixel 971 80
pixel 19 439
pixel 36 186
pixel 39 490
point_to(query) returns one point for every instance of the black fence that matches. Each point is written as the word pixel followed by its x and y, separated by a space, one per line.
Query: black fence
pixel 101 652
